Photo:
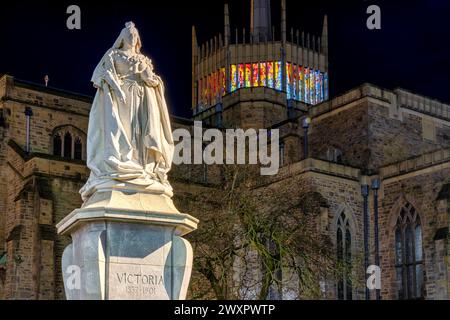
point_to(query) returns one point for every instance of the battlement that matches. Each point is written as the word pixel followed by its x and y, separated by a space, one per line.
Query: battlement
pixel 397 99
pixel 425 105
pixel 421 162
pixel 33 94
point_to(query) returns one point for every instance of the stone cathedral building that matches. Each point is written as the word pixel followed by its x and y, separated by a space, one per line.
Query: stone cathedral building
pixel 370 152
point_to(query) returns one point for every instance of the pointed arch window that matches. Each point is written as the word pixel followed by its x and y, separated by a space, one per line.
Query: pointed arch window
pixel 344 257
pixel 78 149
pixel 57 145
pixel 68 145
pixel 409 254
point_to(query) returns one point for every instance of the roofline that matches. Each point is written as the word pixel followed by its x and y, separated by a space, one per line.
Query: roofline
pixel 52 90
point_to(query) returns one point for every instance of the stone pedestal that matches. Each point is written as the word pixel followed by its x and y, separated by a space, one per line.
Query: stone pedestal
pixel 127 244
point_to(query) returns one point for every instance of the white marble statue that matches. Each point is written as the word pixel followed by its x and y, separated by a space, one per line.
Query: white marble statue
pixel 129 137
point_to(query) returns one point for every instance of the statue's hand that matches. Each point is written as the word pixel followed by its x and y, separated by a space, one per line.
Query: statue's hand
pixel 144 64
pixel 149 77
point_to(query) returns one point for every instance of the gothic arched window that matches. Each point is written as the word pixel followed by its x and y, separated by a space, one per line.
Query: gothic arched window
pixel 344 257
pixel 57 145
pixel 68 145
pixel 409 254
pixel 78 149
pixel 68 142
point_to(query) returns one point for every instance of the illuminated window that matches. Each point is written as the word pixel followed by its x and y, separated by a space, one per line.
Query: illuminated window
pixel 306 82
pixel 255 75
pixel 318 87
pixel 295 84
pixel 248 75
pixel 301 84
pixel 312 84
pixel 223 83
pixel 344 257
pixel 233 76
pixel 409 254
pixel 278 75
pixel 270 75
pixel 216 87
pixel 289 81
pixel 240 75
pixel 262 74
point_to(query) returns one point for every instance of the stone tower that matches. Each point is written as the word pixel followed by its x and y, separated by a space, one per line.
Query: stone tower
pixel 257 79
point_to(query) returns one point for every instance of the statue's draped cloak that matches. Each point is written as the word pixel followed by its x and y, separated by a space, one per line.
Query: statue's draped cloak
pixel 133 144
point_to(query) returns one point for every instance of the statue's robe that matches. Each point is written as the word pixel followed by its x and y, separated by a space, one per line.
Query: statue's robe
pixel 128 140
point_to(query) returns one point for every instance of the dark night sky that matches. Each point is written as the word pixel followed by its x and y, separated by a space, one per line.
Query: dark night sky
pixel 411 51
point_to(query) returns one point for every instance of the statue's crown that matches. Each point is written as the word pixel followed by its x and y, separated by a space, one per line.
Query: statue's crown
pixel 129 25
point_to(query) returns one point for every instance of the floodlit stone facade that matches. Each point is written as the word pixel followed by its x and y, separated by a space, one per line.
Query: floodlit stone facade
pixel 368 134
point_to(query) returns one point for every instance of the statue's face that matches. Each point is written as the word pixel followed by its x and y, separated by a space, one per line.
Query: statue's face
pixel 131 38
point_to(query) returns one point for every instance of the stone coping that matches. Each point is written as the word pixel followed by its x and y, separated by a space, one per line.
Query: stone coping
pixel 420 162
pixel 403 98
pixel 183 223
pixel 312 165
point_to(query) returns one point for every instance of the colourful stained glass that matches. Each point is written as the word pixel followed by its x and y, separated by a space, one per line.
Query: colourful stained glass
pixel 301 84
pixel 217 86
pixel 255 75
pixel 289 81
pixel 318 87
pixel 233 78
pixel 312 84
pixel 295 84
pixel 306 82
pixel 241 75
pixel 248 75
pixel 262 74
pixel 278 75
pixel 222 81
pixel 270 75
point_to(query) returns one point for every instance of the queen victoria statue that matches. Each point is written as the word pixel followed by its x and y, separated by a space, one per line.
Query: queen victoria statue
pixel 129 135
pixel 127 236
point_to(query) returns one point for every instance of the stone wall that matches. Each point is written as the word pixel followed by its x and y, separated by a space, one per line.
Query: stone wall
pixel 392 140
pixel 346 130
pixel 373 129
pixel 28 206
pixel 421 189
pixel 339 195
